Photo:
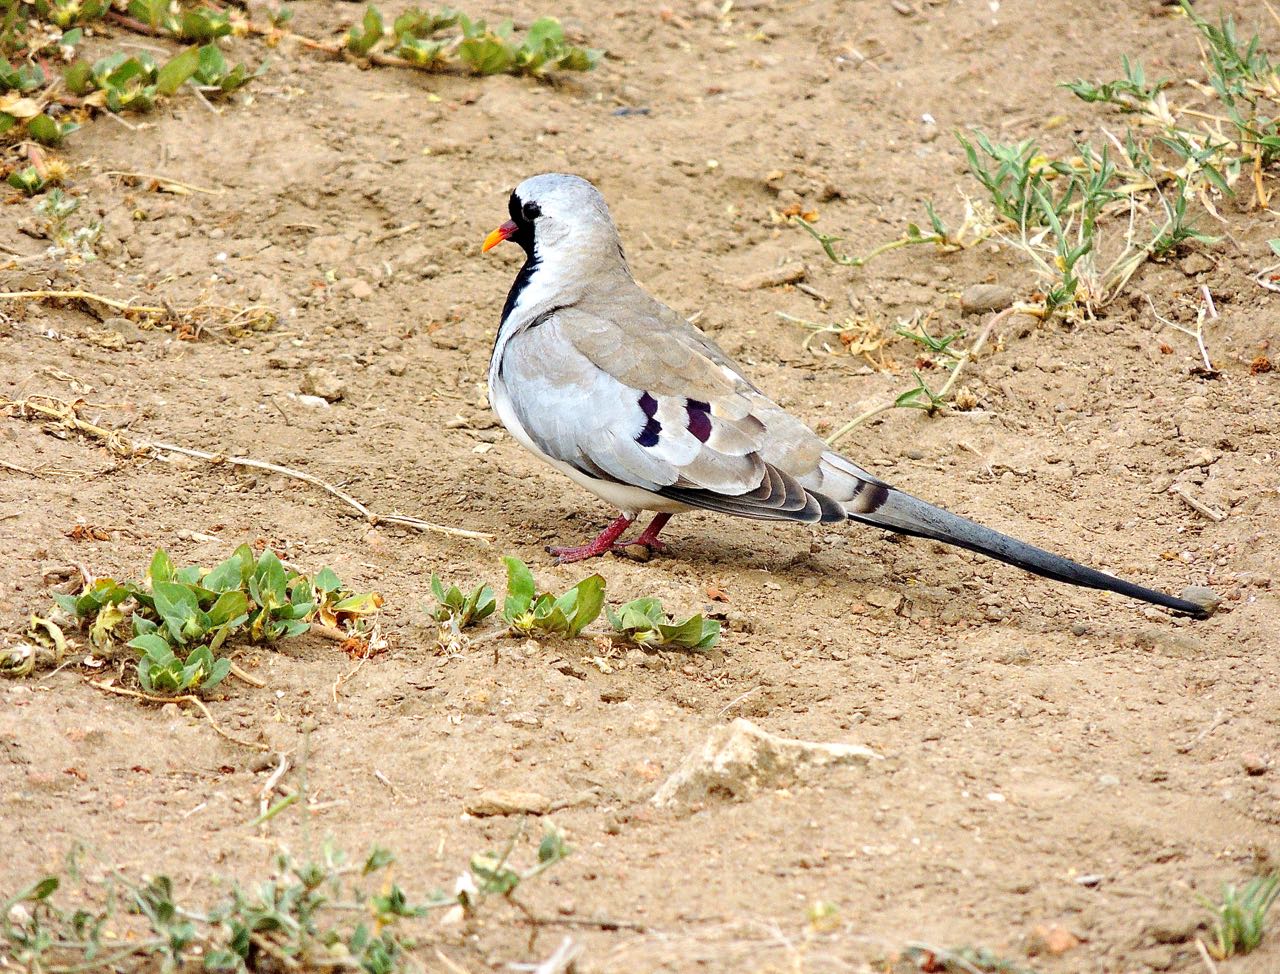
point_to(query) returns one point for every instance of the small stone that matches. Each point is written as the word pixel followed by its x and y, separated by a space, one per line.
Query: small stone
pixel 1051 940
pixel 329 251
pixel 1254 764
pixel 1194 264
pixel 791 274
pixel 740 759
pixel 1090 880
pixel 1176 928
pixel 1203 596
pixel 1108 781
pixel 323 383
pixel 1171 643
pixel 360 289
pixel 504 802
pixel 977 298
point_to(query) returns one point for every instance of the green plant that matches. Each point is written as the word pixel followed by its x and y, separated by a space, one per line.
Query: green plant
pixel 644 622
pixel 480 49
pixel 943 237
pixel 316 914
pixel 526 611
pixel 181 618
pixel 57 208
pixel 1240 920
pixel 464 610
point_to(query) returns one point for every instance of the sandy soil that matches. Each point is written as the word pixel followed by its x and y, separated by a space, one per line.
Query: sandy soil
pixel 1033 734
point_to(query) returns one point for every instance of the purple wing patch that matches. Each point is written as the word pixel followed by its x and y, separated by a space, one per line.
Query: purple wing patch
pixel 699 419
pixel 649 435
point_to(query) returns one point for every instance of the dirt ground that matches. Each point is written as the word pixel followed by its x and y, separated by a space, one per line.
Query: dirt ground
pixel 1033 734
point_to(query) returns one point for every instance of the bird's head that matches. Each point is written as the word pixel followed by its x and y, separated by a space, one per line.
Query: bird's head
pixel 554 214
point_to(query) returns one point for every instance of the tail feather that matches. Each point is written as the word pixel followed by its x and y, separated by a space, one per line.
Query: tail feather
pixel 909 515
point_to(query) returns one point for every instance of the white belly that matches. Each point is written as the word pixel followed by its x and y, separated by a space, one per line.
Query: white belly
pixel 629 500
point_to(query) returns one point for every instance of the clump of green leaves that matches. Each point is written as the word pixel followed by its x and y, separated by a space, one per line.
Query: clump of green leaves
pixel 56 208
pixel 453 606
pixel 644 622
pixel 542 49
pixel 323 913
pixel 43 32
pixel 1240 920
pixel 527 611
pixel 181 618
pixel 479 48
pixel 940 235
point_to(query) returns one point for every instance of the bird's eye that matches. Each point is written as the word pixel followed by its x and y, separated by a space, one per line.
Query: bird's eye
pixel 531 211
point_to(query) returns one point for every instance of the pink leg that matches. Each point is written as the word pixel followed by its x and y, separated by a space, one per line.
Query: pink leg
pixel 649 536
pixel 600 546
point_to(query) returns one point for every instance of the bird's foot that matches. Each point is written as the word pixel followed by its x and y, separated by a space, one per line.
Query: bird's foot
pixel 647 539
pixel 602 545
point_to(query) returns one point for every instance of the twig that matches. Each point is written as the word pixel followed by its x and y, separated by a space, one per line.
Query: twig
pixel 66 413
pixel 133 24
pixel 390 787
pixel 1218 719
pixel 184 698
pixel 605 924
pixel 78 295
pixel 1180 490
pixel 561 960
pixel 163 179
pixel 264 796
pixel 337 492
pixel 240 674
pixel 1209 965
pixel 965 358
pixel 344 677
pixel 16 469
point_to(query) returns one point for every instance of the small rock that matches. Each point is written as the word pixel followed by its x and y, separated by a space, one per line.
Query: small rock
pixel 444 339
pixel 360 289
pixel 1254 764
pixel 1171 643
pixel 1176 928
pixel 329 251
pixel 978 298
pixel 791 274
pixel 1194 264
pixel 1051 940
pixel 1108 781
pixel 740 759
pixel 523 720
pixel 503 802
pixel 1203 596
pixel 311 402
pixel 1091 880
pixel 323 383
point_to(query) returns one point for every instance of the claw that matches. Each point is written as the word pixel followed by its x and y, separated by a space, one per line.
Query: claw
pixel 607 541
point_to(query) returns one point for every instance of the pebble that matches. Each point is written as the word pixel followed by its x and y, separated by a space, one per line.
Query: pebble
pixel 1202 596
pixel 977 298
pixel 1254 764
pixel 323 383
pixel 1052 940
pixel 791 274
pixel 504 802
pixel 1194 264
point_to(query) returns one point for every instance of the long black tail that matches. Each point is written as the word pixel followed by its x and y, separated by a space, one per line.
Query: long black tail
pixel 909 515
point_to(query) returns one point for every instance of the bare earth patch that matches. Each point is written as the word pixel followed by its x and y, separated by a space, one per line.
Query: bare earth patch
pixel 1054 759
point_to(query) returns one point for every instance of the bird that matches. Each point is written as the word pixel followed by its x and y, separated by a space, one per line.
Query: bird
pixel 630 400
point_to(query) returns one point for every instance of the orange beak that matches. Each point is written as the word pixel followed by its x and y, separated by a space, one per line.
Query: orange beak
pixel 498 235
